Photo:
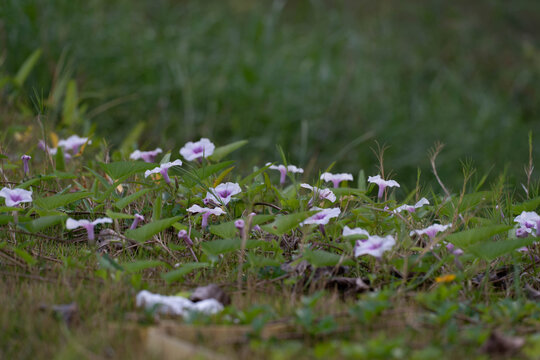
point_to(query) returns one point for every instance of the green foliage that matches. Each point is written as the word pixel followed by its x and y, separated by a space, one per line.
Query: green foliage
pixel 60 200
pixel 145 232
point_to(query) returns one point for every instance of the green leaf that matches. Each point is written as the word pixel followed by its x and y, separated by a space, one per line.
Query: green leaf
pixel 106 262
pixel 60 159
pixel 70 114
pixel 197 176
pixel 42 223
pixel 222 151
pixel 145 232
pixel 464 239
pixel 228 230
pixel 56 201
pixel 252 176
pixel 529 205
pixel 116 215
pixel 139 265
pixel 490 250
pixel 324 258
pixel 285 223
pixel 119 169
pixel 26 68
pixel 217 247
pixel 29 259
pixel 122 203
pixel 10 209
pixel 5 219
pixel 183 270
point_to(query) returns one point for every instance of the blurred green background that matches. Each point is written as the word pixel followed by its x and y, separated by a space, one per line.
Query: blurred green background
pixel 323 79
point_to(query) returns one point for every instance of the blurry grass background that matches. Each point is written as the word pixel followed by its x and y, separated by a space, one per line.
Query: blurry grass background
pixel 323 79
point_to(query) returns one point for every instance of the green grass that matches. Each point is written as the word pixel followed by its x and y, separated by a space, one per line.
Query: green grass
pixel 321 79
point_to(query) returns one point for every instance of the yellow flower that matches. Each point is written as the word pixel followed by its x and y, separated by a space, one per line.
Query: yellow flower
pixel 445 278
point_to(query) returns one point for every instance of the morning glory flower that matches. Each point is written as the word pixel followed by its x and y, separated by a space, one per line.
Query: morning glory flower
pixel 323 193
pixel 322 217
pixel 347 231
pixel 412 208
pixel 51 151
pixel 528 221
pixel 431 230
pixel 284 170
pixel 454 250
pixel 374 246
pixel 88 225
pixel 163 169
pixel 73 143
pixel 197 150
pixel 336 178
pixel 383 184
pixel 138 218
pixel 206 212
pixel 223 192
pixel 146 156
pixel 15 196
pixel 26 168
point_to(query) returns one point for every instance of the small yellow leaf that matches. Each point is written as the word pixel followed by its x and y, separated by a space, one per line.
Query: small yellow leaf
pixel 445 278
pixel 54 139
pixel 222 176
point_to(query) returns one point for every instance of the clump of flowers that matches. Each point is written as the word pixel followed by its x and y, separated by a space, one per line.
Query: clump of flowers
pixel 383 184
pixel 326 194
pixel 73 143
pixel 374 245
pixel 163 169
pixel 197 150
pixel 528 221
pixel 336 178
pixel 88 225
pixel 206 212
pixel 284 170
pixel 14 197
pixel 412 208
pixel 223 193
pixel 146 156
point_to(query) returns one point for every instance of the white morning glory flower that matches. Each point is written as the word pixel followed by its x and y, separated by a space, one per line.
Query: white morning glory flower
pixel 347 231
pixel 146 156
pixel 431 230
pixel 374 246
pixel 336 178
pixel 322 193
pixel 383 184
pixel 163 169
pixel 412 208
pixel 195 150
pixel 15 196
pixel 88 225
pixel 73 143
pixel 223 192
pixel 322 217
pixel 284 170
pixel 528 221
pixel 206 212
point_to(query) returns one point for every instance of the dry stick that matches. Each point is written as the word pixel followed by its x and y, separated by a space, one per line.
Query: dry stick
pixel 433 156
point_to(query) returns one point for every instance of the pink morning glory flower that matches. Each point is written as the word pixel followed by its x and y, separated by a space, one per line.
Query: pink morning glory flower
pixel 431 230
pixel 163 169
pixel 197 150
pixel 51 151
pixel 412 208
pixel 138 218
pixel 146 156
pixel 347 231
pixel 284 170
pixel 223 192
pixel 383 184
pixel 15 196
pixel 88 225
pixel 26 168
pixel 528 221
pixel 239 224
pixel 73 143
pixel 336 178
pixel 322 217
pixel 322 193
pixel 206 212
pixel 374 246
pixel 453 249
